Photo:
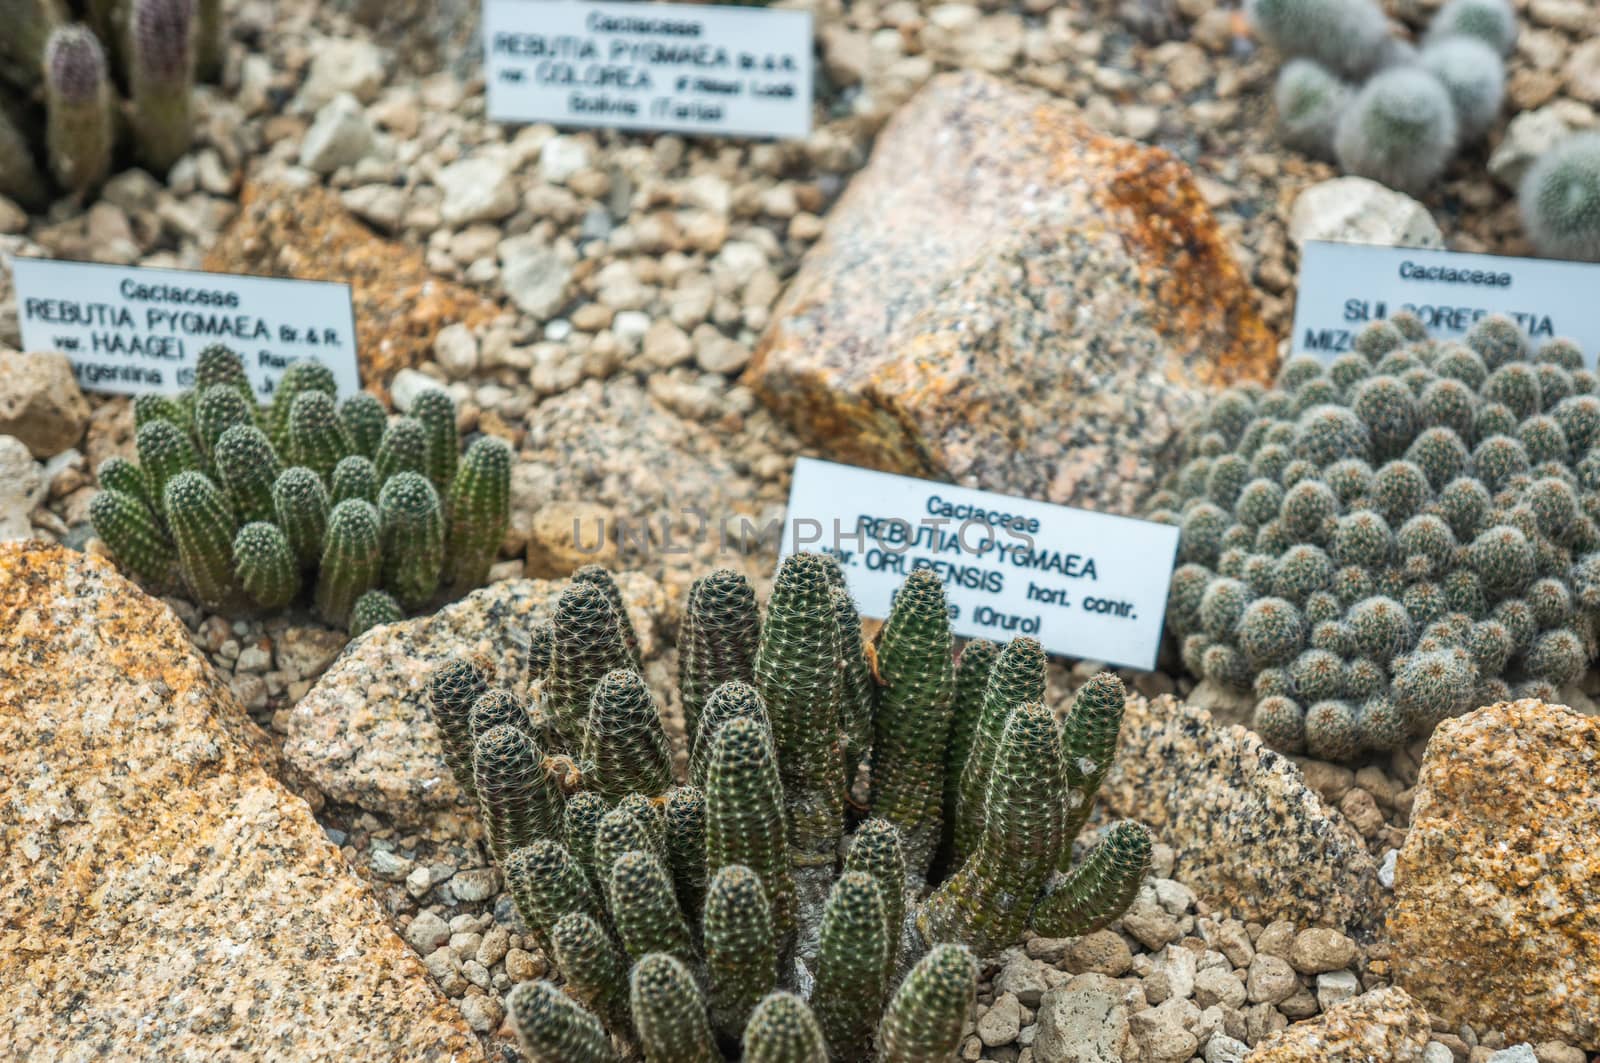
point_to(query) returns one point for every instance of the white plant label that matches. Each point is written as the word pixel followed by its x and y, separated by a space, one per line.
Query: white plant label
pixel 1084 584
pixel 682 68
pixel 1343 287
pixel 132 331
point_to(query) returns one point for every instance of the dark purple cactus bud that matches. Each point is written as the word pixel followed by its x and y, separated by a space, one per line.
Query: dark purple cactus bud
pixel 162 32
pixel 75 65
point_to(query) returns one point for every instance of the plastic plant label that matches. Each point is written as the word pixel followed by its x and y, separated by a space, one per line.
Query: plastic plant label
pixel 132 331
pixel 1085 584
pixel 682 68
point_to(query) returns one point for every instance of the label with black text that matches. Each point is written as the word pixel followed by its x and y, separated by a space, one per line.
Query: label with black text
pixel 131 331
pixel 1088 585
pixel 1344 287
pixel 682 68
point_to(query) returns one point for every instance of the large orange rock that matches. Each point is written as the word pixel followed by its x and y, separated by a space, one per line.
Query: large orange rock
pixel 162 896
pixel 1007 299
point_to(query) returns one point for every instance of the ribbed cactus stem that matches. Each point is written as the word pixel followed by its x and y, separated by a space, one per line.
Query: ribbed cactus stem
pixel 217 409
pixel 744 817
pixel 297 377
pixel 453 688
pixel 220 364
pixel 354 477
pixel 588 644
pixel 1016 679
pixel 317 439
pixel 859 693
pixel 81 133
pixel 928 1014
pixel 1089 745
pixel 364 420
pixel 413 538
pixel 300 504
pixel 151 407
pixel 247 467
pixel 973 669
pixel 579 825
pixel 669 1013
pixel 164 452
pixel 650 812
pixel 518 800
pixel 554 1028
pixel 851 966
pixel 686 848
pixel 402 448
pixel 602 578
pixel 985 903
pixel 625 748
pixel 621 831
pixel 28 28
pixel 161 79
pixel 210 40
pixel 352 559
pixel 644 909
pixel 784 1030
pixel 595 970
pixel 480 510
pixel 372 609
pixel 436 411
pixel 741 947
pixel 913 718
pixel 120 474
pixel 266 565
pixel 494 708
pixel 731 700
pixel 546 885
pixel 875 850
pixel 129 529
pixel 798 674
pixel 201 520
pixel 717 642
pixel 1100 889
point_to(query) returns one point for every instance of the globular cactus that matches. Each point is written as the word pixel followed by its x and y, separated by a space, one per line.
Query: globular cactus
pixel 624 748
pixel 1400 130
pixel 480 510
pixel 364 420
pixel 316 438
pixel 372 609
pixel 928 1014
pixel 644 909
pixel 151 407
pixel 1348 36
pixel 1310 99
pixel 1017 678
pixel 220 365
pixel 783 1030
pixel 129 529
pixel 201 520
pixel 594 969
pixel 913 723
pixel 248 467
pixel 554 1028
pixel 265 565
pixel 717 642
pixel 851 966
pixel 301 506
pixel 81 132
pixel 741 946
pixel 436 411
pixel 351 560
pixel 669 1013
pixel 161 79
pixel 1471 73
pixel 519 801
pixel 1491 21
pixel 356 477
pixel 413 538
pixel 1560 199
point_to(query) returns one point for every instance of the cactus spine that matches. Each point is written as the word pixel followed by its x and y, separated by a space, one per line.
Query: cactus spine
pixel 669 1013
pixel 266 565
pixel 202 527
pixel 851 967
pixel 741 946
pixel 926 1018
pixel 554 1028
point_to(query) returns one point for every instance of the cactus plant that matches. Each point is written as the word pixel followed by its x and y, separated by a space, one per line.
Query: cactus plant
pixel 351 559
pixel 1491 21
pixel 740 944
pixel 669 1013
pixel 128 527
pixel 480 510
pixel 1310 101
pixel 1343 35
pixel 266 565
pixel 1471 73
pixel 364 420
pixel 1400 130
pixel 717 643
pixel 594 969
pixel 371 609
pixel 1560 199
pixel 81 133
pixel 201 519
pixel 247 467
pixel 161 66
pixel 851 966
pixel 413 538
pixel 436 412
pixel 926 1018
pixel 554 1028
pixel 782 1029
pixel 517 797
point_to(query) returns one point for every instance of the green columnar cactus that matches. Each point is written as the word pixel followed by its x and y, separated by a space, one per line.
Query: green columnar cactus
pixel 147 408
pixel 913 720
pixel 219 365
pixel 717 643
pixel 1099 889
pixel 247 467
pixel 731 700
pixel 541 649
pixel 686 847
pixel 480 510
pixel 403 448
pixel 797 673
pixel 81 130
pixel 130 530
pixel 851 968
pixel 300 504
pixel 579 826
pixel 161 78
pixel 1024 816
pixel 357 477
pixel 744 817
pixel 494 708
pixel 587 645
pixel 210 40
pixel 352 558
pixel 649 812
pixel 316 439
pixel 669 1013
pixel 594 968
pixel 973 669
pixel 547 885
pixel 554 1028
pixel 926 1018
pixel 1560 199
pixel 875 850
pixel 413 537
pixel 266 565
pixel 601 578
pixel 783 1030
pixel 20 178
pixel 1017 679
pixel 364 420
pixel 624 746
pixel 120 474
pixel 1089 745
pixel 298 377
pixel 217 409
pixel 621 831
pixel 644 910
pixel 201 520
pixel 164 452
pixel 520 803
pixel 436 411
pixel 453 688
pixel 858 696
pixel 371 609
pixel 741 947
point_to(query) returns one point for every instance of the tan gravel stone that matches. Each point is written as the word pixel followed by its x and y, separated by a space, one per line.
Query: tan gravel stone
pixel 1384 1024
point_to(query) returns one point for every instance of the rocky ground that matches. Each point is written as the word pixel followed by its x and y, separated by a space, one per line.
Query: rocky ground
pixel 595 297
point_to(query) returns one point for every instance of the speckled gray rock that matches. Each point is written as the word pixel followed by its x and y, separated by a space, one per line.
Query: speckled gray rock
pixel 1008 299
pixel 365 734
pixel 164 896
pixel 1384 1024
pixel 1251 838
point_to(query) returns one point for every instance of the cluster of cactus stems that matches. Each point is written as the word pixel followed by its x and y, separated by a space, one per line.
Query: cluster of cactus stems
pixel 250 507
pixel 61 112
pixel 856 826
pixel 1399 536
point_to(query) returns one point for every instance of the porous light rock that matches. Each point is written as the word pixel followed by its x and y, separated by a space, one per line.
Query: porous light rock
pixel 1384 1024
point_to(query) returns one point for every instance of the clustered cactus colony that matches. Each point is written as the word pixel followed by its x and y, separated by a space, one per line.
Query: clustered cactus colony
pixel 60 82
pixel 731 910
pixel 1560 199
pixel 250 505
pixel 1402 535
pixel 1379 106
